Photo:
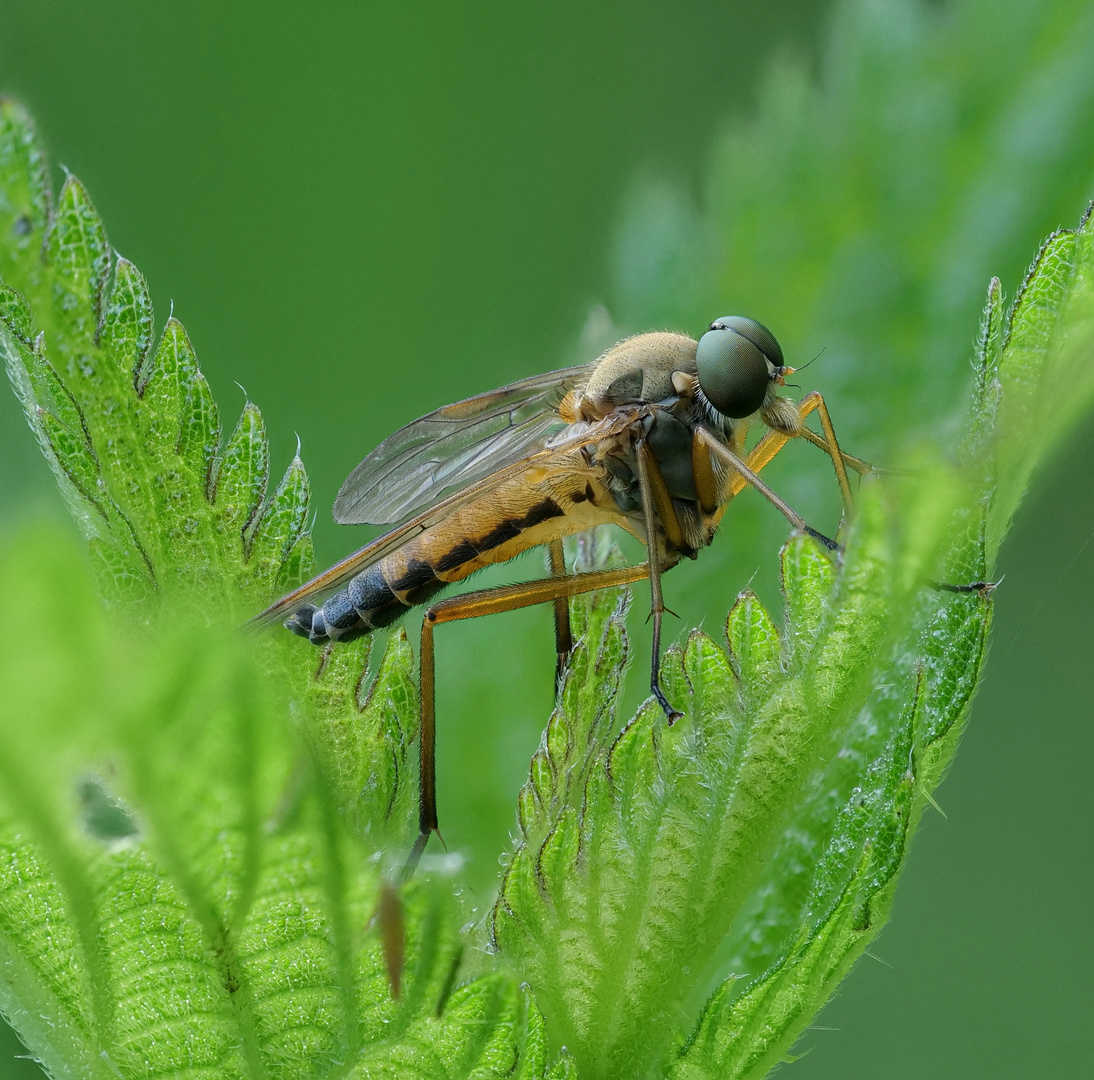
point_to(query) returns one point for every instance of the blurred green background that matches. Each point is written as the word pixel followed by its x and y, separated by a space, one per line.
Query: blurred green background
pixel 361 213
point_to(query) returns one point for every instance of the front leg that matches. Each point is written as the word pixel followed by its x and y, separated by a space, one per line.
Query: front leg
pixel 709 444
pixel 770 445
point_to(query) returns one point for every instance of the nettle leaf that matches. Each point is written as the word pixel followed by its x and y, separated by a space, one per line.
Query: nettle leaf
pixel 191 819
pixel 130 426
pixel 24 195
pixel 226 920
pixel 585 715
pixel 720 876
pixel 508 1038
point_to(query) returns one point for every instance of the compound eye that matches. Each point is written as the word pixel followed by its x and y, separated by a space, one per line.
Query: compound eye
pixel 732 363
pixel 756 332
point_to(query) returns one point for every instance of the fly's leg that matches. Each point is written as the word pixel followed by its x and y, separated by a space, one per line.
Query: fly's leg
pixel 564 641
pixel 746 475
pixel 774 441
pixel 708 489
pixel 770 445
pixel 470 606
pixel 657 506
pixel 863 468
pixel 830 445
pixel 389 919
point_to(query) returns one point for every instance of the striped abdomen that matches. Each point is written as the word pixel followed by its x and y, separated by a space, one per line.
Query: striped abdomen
pixel 540 506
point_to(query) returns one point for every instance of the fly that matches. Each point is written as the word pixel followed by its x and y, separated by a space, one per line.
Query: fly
pixel 649 437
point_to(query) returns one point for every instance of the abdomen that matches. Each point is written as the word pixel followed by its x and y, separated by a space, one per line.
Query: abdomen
pixel 543 505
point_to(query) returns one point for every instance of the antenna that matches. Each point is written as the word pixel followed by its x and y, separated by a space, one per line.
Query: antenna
pixel 795 370
pixel 815 358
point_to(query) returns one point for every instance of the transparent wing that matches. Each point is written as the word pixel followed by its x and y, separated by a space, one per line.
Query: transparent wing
pixel 456 446
pixel 334 578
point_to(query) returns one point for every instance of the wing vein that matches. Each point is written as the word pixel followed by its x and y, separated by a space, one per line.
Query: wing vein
pixel 458 444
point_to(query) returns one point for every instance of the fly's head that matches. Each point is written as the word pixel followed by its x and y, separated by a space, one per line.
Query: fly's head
pixel 739 366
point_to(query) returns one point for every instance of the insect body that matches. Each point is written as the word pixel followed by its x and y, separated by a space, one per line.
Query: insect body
pixel 651 437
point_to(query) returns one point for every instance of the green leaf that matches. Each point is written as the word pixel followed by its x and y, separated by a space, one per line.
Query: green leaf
pixel 189 817
pixel 753 645
pixel 489 1028
pixel 764 834
pixel 128 330
pixel 79 255
pixel 281 523
pixel 241 479
pixel 24 193
pixel 232 929
pixel 1046 343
